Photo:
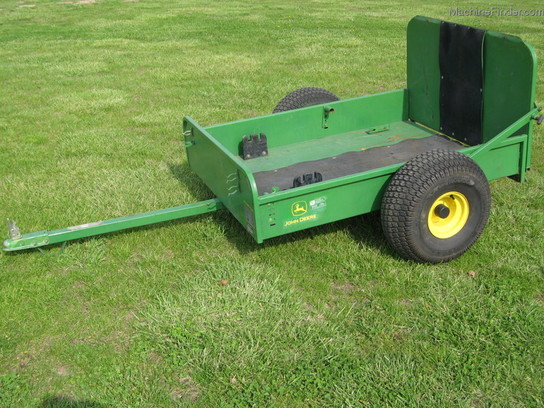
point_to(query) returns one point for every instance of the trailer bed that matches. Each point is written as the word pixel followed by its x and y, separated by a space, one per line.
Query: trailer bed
pixel 344 154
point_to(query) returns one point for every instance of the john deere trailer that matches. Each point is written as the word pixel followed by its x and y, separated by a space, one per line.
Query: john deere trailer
pixel 423 154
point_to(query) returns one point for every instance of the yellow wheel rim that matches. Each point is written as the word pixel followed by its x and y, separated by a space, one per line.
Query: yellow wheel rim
pixel 448 215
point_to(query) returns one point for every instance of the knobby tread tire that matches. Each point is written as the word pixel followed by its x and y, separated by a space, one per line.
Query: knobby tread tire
pixel 405 205
pixel 305 97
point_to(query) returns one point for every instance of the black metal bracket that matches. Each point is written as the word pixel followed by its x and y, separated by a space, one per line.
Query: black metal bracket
pixel 254 146
pixel 308 178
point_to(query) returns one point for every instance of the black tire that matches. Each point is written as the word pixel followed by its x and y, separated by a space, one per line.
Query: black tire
pixel 413 212
pixel 305 97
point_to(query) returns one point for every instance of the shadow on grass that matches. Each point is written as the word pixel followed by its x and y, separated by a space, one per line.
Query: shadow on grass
pixel 61 401
pixel 189 180
pixel 365 229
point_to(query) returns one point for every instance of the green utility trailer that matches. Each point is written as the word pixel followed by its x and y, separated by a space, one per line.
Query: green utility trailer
pixel 422 155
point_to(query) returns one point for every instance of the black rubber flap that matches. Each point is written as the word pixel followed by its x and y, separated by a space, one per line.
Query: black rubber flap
pixel 461 82
pixel 351 162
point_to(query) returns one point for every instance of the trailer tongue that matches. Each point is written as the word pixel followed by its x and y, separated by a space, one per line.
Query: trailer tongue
pixel 42 238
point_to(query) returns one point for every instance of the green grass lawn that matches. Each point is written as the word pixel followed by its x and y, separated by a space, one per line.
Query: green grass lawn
pixel 91 101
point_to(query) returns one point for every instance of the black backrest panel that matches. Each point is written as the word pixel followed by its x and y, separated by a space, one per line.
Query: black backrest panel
pixel 461 82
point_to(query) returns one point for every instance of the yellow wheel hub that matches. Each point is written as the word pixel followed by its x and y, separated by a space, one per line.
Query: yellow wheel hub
pixel 448 215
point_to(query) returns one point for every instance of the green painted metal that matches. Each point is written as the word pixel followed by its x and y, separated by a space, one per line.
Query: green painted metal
pixel 42 238
pixel 361 193
pixel 510 131
pixel 327 110
pixel 306 124
pixel 223 173
pixel 509 83
pixel 423 70
pixel 344 197
pixel 322 131
pixel 509 72
pixel 337 144
pixel 323 202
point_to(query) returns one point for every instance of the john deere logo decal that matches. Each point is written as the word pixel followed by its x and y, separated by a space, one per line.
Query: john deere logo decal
pixel 299 208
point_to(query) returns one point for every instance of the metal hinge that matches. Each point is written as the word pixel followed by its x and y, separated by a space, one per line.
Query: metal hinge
pixel 327 110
